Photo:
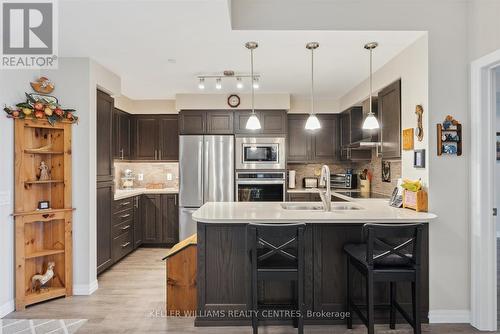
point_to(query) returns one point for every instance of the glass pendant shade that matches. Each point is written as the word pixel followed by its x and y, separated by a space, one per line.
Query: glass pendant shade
pixel 370 122
pixel 312 123
pixel 253 123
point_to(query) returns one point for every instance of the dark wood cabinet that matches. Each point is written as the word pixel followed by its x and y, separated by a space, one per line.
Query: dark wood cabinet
pixel 219 122
pixel 156 137
pixel 169 138
pixel 200 122
pixel 170 219
pixel 160 219
pixel 325 141
pixel 151 219
pixel 223 276
pixel 389 109
pixel 299 140
pixel 121 134
pixel 321 145
pixel 273 122
pixel 138 227
pixel 104 109
pixel 104 198
pixel 192 122
pixel 145 137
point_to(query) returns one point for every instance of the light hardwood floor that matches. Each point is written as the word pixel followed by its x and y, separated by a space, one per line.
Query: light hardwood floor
pixel 135 287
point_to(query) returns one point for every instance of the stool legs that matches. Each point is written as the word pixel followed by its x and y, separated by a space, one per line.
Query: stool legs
pixel 370 307
pixel 415 291
pixel 392 322
pixel 348 299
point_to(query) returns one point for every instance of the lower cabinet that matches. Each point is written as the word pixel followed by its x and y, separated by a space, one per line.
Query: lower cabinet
pixel 125 224
pixel 160 219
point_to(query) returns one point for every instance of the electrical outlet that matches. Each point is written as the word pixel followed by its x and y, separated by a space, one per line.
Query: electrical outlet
pixel 169 176
pixel 4 198
pixel 140 177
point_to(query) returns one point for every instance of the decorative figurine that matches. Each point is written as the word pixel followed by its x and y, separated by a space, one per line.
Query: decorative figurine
pixel 42 85
pixel 38 281
pixel 419 110
pixel 44 172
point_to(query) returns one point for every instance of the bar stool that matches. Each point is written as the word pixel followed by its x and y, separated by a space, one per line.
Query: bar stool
pixel 276 254
pixel 391 254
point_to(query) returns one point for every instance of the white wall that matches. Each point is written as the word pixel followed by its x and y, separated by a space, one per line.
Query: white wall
pixel 449 54
pixel 497 167
pixel 145 106
pixel 8 96
pixel 76 80
pixel 411 66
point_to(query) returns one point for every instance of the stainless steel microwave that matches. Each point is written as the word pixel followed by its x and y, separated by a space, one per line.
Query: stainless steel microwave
pixel 260 153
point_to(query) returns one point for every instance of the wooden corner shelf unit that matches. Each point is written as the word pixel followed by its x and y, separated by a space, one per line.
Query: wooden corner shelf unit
pixel 42 236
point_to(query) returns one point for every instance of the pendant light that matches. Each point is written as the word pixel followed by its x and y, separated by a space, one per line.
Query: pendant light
pixel 253 122
pixel 312 122
pixel 371 122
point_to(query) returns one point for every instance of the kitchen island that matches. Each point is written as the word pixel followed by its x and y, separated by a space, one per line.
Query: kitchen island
pixel 223 280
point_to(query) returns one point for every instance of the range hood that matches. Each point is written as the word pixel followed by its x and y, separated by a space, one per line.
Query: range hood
pixel 365 144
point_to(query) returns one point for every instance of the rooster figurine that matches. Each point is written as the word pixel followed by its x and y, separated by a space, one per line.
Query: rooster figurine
pixel 38 281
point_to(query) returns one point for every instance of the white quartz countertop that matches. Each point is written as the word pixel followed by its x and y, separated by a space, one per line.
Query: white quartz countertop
pixel 370 210
pixel 121 194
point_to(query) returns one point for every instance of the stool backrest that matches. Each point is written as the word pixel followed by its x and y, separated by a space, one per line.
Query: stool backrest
pixel 398 241
pixel 276 242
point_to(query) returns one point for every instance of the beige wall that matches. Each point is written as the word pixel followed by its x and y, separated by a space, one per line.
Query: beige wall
pixel 411 65
pixel 302 104
pixel 219 101
pixel 145 106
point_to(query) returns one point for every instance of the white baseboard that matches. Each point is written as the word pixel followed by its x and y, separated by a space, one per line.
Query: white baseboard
pixel 449 317
pixel 7 308
pixel 85 289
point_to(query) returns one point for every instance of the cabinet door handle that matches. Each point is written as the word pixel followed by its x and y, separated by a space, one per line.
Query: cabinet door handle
pixel 175 200
pixel 124 228
pixel 121 152
pixel 125 244
pixel 159 154
pixel 125 216
pixel 125 203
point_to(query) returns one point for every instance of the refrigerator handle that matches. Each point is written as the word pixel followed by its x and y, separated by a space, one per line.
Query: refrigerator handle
pixel 206 172
pixel 200 170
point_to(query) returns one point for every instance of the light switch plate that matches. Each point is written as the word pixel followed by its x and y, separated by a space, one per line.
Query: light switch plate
pixel 140 177
pixel 169 176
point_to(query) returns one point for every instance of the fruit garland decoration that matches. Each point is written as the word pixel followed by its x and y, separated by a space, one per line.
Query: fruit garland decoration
pixel 41 107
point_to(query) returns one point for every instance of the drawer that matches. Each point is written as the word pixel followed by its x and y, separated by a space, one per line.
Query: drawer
pixel 122 245
pixel 123 204
pixel 120 217
pixel 122 228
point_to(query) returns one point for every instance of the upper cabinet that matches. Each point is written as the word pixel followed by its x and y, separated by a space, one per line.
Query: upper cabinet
pixel 321 145
pixel 121 134
pixel 155 137
pixel 272 122
pixel 389 109
pixel 199 122
pixel 105 105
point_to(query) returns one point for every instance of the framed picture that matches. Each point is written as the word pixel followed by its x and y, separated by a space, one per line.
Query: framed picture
pixel 498 146
pixel 419 158
pixel 386 171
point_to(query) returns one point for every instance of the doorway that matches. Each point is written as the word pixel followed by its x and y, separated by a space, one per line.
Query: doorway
pixel 483 165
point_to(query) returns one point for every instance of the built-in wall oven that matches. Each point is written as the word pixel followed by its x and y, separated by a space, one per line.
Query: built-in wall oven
pixel 260 186
pixel 260 153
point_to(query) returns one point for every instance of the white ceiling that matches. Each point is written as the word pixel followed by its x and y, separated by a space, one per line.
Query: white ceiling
pixel 135 39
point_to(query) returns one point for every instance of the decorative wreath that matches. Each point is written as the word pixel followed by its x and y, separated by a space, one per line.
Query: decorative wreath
pixel 41 107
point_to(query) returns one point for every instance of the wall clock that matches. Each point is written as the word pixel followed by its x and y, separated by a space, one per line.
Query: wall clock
pixel 233 100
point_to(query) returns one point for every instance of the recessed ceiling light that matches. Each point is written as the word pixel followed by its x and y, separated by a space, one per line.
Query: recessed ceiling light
pixel 171 61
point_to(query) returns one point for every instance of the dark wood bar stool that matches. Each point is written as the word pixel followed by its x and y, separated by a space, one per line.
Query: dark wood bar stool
pixel 276 254
pixel 391 254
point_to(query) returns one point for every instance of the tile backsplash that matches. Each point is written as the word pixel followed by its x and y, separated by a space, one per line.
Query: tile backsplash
pixel 166 173
pixel 375 166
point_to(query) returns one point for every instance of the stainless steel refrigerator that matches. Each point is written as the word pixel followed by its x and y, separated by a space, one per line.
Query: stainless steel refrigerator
pixel 206 174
